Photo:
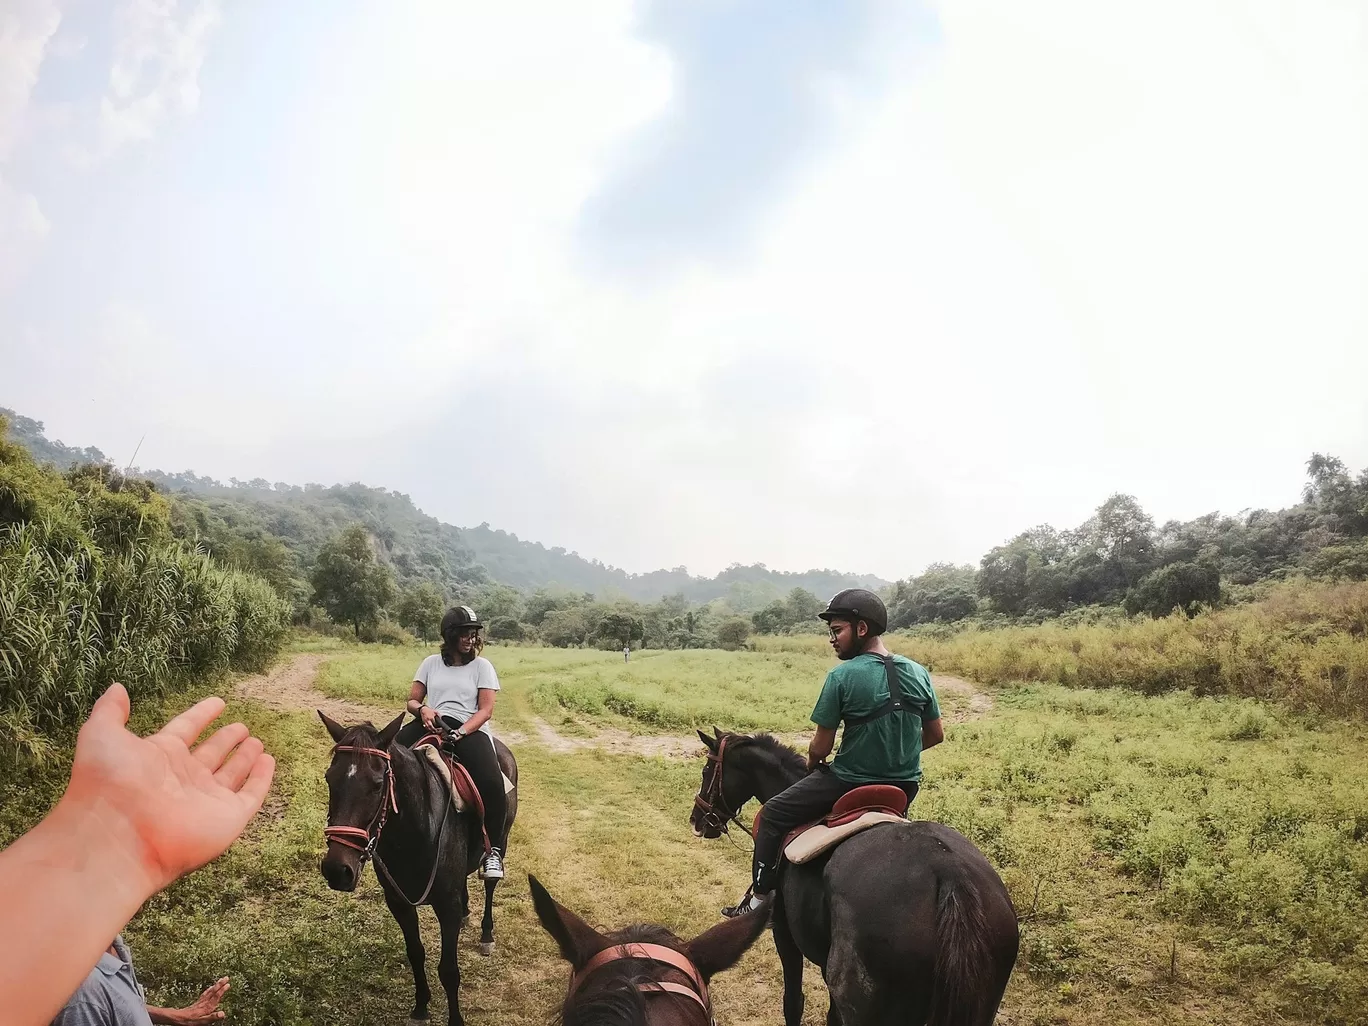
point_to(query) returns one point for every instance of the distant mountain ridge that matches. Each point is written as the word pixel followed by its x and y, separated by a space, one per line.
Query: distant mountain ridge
pixel 421 547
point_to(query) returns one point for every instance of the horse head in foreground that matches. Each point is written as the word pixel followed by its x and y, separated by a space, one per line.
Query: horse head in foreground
pixel 641 975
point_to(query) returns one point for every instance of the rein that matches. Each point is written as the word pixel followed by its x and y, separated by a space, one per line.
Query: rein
pixel 712 802
pixel 371 835
pixel 660 954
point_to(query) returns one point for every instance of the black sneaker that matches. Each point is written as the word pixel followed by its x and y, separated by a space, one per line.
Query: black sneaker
pixel 749 903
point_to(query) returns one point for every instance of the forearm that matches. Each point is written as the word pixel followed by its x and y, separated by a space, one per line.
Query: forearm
pixel 478 720
pixel 821 745
pixel 165 1016
pixel 81 868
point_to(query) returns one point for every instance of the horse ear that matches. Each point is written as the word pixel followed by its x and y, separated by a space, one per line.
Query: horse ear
pixel 720 947
pixel 717 734
pixel 334 728
pixel 577 940
pixel 387 735
pixel 710 742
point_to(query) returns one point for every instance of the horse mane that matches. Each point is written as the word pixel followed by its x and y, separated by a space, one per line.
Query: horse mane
pixel 787 757
pixel 618 1002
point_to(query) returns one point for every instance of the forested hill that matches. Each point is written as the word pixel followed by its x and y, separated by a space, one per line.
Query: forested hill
pixel 254 517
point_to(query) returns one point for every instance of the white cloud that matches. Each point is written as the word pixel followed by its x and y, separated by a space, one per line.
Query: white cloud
pixel 158 52
pixel 26 27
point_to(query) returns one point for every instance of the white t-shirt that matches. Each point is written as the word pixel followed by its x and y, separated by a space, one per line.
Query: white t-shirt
pixel 454 690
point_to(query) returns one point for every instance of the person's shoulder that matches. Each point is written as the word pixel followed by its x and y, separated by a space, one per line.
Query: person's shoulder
pixel 919 672
pixel 428 661
pixel 483 664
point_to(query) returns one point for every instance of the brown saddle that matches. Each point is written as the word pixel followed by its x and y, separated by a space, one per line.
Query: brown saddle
pixel 461 781
pixel 854 812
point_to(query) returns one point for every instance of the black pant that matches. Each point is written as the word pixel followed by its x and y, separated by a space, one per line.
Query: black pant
pixel 809 799
pixel 476 753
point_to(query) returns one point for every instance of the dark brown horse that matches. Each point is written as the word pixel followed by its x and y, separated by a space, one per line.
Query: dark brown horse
pixel 641 975
pixel 388 803
pixel 908 921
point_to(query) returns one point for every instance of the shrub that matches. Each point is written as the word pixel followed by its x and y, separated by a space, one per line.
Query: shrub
pixel 94 589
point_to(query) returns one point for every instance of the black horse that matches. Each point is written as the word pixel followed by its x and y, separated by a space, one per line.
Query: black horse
pixel 384 801
pixel 641 975
pixel 908 921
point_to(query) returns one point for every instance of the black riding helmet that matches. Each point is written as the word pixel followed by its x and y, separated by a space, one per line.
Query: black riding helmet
pixel 858 604
pixel 457 619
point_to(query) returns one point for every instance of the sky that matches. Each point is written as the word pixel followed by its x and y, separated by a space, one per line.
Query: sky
pixel 863 285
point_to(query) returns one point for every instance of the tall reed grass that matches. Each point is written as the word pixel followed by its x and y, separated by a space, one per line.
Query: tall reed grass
pixel 93 589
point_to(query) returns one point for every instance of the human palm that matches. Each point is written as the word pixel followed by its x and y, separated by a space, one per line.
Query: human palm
pixel 173 805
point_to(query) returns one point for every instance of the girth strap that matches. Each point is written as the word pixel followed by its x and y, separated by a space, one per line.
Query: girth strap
pixel 898 700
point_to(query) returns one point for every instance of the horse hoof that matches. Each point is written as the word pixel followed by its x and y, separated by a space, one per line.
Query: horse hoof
pixel 486 948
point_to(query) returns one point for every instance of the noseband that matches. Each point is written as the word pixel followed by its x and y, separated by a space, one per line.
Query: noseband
pixel 660 954
pixel 714 808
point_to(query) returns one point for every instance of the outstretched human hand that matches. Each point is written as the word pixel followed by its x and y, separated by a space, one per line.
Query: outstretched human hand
pixel 205 1010
pixel 169 806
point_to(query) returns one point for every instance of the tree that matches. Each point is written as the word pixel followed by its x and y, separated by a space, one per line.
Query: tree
pixel 420 610
pixel 506 628
pixel 620 628
pixel 733 632
pixel 564 628
pixel 1182 586
pixel 348 581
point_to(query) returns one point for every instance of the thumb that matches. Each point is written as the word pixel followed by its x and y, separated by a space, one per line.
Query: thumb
pixel 111 708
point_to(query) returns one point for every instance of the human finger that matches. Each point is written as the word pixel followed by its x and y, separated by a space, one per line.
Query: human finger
pixel 212 753
pixel 190 724
pixel 258 782
pixel 235 771
pixel 111 708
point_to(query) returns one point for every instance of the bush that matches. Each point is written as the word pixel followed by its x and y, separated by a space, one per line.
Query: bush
pixel 1302 644
pixel 93 589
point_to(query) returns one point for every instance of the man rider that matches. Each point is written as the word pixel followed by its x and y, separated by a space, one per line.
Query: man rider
pixel 881 745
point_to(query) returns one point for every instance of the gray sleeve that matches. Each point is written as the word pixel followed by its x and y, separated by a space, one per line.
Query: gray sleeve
pixel 489 680
pixel 82 1010
pixel 421 674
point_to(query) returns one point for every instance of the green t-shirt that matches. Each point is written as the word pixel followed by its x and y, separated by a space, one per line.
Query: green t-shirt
pixel 887 749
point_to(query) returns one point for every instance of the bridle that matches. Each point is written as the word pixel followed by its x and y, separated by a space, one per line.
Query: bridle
pixel 714 808
pixel 660 954
pixel 370 836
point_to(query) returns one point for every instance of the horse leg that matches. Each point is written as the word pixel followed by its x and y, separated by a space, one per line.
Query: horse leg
pixel 407 918
pixel 487 924
pixel 791 959
pixel 465 900
pixel 448 969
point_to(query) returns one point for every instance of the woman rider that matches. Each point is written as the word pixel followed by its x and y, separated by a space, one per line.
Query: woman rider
pixel 459 685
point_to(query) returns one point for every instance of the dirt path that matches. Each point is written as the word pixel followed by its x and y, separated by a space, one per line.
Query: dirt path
pixel 969 703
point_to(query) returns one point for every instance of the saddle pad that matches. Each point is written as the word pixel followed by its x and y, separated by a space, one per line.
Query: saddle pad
pixel 435 757
pixel 817 839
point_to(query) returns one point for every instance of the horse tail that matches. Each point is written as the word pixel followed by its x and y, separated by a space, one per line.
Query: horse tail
pixel 962 990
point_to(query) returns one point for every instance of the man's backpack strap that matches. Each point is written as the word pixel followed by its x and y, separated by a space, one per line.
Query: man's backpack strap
pixel 898 701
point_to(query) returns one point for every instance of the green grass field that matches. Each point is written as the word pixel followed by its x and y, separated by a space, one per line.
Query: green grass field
pixel 1173 859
